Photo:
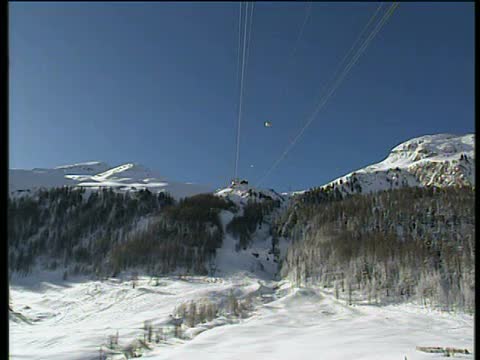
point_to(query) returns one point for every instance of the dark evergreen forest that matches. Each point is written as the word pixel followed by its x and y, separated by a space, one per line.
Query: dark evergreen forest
pixel 106 232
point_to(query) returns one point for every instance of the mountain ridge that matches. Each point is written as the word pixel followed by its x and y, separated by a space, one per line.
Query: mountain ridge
pixel 96 175
pixel 429 160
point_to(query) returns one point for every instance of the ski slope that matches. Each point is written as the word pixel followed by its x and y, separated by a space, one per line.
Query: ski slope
pixel 71 319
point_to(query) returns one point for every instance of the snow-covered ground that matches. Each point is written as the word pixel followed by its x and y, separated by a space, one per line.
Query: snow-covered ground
pixel 72 319
pixel 308 324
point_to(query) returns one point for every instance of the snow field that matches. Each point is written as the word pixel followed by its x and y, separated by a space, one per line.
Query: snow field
pixel 310 324
pixel 72 319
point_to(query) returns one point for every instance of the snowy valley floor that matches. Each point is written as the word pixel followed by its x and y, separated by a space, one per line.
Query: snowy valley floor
pixel 71 320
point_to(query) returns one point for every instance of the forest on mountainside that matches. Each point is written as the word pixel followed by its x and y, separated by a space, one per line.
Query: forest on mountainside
pixel 184 236
pixel 105 232
pixel 255 213
pixel 405 244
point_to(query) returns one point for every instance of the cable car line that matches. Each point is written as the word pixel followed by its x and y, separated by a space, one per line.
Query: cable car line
pixel 335 85
pixel 341 63
pixel 297 42
pixel 249 35
pixel 302 28
pixel 291 57
pixel 241 94
pixel 239 59
pixel 372 18
pixel 245 51
pixel 239 42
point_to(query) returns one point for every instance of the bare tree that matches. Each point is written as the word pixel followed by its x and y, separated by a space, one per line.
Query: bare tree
pixel 148 330
pixel 192 314
pixel 134 279
pixel 159 335
pixel 232 304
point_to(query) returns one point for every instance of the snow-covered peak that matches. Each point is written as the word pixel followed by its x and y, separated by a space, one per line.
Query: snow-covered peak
pixel 97 175
pixel 440 160
pixel 241 193
pixel 128 170
pixel 440 147
pixel 91 167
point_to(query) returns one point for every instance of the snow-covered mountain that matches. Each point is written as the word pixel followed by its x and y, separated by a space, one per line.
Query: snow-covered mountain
pixel 91 168
pixel 97 175
pixel 439 160
pixel 241 193
pixel 57 310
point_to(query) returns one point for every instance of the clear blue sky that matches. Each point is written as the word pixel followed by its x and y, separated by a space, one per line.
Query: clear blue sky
pixel 155 83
